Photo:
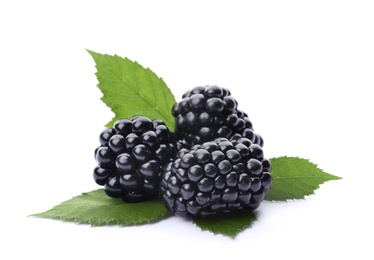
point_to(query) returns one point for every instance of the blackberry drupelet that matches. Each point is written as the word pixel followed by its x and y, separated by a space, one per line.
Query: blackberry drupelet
pixel 216 177
pixel 131 156
pixel 208 112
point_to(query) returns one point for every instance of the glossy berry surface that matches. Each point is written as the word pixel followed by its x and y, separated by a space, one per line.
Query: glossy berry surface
pixel 216 177
pixel 130 158
pixel 209 112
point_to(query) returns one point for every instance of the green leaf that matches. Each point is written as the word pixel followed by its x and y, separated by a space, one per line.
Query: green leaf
pixel 130 89
pixel 96 208
pixel 229 225
pixel 295 178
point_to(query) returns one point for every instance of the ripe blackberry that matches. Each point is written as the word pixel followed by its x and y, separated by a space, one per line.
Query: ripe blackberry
pixel 208 112
pixel 131 156
pixel 216 177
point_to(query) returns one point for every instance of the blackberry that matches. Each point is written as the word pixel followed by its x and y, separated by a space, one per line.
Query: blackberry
pixel 208 112
pixel 130 158
pixel 216 177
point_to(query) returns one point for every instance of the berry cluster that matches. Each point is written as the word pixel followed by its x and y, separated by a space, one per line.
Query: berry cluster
pixel 212 164
pixel 208 112
pixel 131 157
pixel 217 177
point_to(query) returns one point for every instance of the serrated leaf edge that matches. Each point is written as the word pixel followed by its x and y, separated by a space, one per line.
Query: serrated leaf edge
pixel 167 117
pixel 327 176
pixel 83 221
pixel 255 218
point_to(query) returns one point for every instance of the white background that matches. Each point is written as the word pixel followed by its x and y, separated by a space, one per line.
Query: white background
pixel 302 70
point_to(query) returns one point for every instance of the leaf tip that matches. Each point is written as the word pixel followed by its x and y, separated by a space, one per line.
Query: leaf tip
pixel 90 51
pixel 335 178
pixel 95 55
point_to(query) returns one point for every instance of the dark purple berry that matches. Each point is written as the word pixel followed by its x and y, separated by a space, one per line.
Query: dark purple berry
pixel 131 181
pixel 214 106
pixel 131 158
pixel 132 140
pixel 141 153
pixel 254 166
pixel 216 177
pixel 205 185
pixel 101 175
pixel 105 135
pixel 105 156
pixel 150 139
pixel 117 144
pixel 209 112
pixel 113 187
pixel 197 102
pixel 195 173
pixel 141 125
pixel 125 163
pixel 188 191
pixel 213 91
pixel 148 169
pixel 123 126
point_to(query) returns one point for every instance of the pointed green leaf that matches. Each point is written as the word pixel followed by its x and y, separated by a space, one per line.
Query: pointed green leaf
pixel 96 208
pixel 130 89
pixel 229 225
pixel 295 178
